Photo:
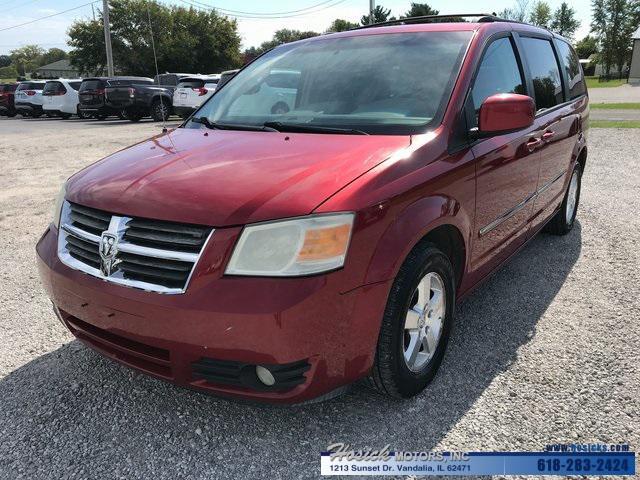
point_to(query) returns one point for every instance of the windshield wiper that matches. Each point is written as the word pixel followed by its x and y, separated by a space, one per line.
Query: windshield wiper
pixel 229 126
pixel 306 128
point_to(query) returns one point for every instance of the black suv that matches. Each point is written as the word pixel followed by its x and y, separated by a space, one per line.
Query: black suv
pixel 91 95
pixel 144 100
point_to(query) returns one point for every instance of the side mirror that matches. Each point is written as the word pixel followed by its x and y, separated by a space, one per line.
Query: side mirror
pixel 505 112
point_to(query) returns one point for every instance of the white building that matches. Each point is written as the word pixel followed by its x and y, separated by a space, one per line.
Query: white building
pixel 634 70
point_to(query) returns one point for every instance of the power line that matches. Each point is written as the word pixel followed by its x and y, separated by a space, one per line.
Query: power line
pixel 203 6
pixel 48 16
pixel 270 13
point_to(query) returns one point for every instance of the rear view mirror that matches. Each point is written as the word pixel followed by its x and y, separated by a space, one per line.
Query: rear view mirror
pixel 505 112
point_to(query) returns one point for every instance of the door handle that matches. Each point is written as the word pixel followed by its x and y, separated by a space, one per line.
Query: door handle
pixel 548 135
pixel 533 143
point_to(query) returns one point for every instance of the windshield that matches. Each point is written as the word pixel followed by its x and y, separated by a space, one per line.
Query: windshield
pixel 383 83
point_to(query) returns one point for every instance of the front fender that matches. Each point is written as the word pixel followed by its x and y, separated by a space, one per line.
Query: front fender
pixel 412 225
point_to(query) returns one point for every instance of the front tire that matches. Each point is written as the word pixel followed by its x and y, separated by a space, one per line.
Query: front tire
pixel 160 111
pixel 563 220
pixel 416 324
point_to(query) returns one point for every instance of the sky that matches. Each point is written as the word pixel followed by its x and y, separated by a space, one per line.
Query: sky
pixel 51 32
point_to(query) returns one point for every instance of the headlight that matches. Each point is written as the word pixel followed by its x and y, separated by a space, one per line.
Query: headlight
pixel 57 208
pixel 290 248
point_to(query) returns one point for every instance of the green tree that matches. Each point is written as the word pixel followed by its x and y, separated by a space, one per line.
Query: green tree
pixel 519 12
pixel 186 40
pixel 380 14
pixel 280 37
pixel 27 58
pixel 420 10
pixel 540 14
pixel 8 72
pixel 587 46
pixel 53 55
pixel 564 21
pixel 5 61
pixel 340 25
pixel 286 35
pixel 613 22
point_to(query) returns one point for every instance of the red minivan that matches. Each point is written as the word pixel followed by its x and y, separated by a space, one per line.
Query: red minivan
pixel 293 237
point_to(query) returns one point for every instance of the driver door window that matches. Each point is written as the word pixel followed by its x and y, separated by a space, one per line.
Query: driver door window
pixel 499 72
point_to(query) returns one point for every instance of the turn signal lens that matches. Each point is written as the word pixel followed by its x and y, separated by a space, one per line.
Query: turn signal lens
pixel 325 243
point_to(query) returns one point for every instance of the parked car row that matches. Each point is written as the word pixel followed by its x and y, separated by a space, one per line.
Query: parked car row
pixel 127 97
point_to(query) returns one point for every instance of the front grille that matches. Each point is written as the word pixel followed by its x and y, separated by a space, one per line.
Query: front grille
pixel 149 254
pixel 240 374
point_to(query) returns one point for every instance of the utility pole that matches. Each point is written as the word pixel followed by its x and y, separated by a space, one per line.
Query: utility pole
pixel 107 36
pixel 372 7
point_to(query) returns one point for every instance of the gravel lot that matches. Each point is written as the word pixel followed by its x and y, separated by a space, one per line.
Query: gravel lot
pixel 546 351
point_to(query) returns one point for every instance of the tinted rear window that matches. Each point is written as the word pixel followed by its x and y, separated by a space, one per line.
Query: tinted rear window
pixel 547 84
pixel 168 79
pixel 7 88
pixel 30 86
pixel 129 82
pixel 191 83
pixel 53 87
pixel 75 85
pixel 88 85
pixel 572 66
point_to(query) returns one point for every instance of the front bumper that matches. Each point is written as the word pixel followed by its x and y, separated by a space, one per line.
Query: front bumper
pixel 237 322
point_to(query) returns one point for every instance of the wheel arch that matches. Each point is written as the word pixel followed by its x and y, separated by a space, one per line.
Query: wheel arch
pixel 164 97
pixel 439 220
pixel 582 158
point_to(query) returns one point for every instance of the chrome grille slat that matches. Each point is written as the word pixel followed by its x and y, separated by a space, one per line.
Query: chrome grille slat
pixel 152 262
pixel 158 256
pixel 81 220
pixel 166 235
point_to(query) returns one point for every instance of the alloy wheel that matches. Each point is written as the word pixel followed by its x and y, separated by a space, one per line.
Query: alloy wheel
pixel 572 197
pixel 423 322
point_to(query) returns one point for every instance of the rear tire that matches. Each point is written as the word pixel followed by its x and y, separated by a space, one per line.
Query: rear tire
pixel 160 111
pixel 101 117
pixel 397 370
pixel 563 220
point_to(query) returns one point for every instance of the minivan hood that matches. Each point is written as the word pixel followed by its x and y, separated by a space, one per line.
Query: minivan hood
pixel 222 178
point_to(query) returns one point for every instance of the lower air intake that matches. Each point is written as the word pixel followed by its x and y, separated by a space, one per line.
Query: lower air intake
pixel 243 375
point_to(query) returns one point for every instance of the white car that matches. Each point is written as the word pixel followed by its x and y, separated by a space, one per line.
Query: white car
pixel 274 95
pixel 28 99
pixel 60 97
pixel 192 91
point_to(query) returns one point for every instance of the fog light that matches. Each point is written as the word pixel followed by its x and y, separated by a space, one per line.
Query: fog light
pixel 265 376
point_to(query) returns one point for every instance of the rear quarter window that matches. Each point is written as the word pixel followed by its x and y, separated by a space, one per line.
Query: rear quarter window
pixel 75 85
pixel 571 64
pixel 547 82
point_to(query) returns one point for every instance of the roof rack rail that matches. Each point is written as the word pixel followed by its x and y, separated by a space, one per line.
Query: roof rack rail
pixel 482 17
